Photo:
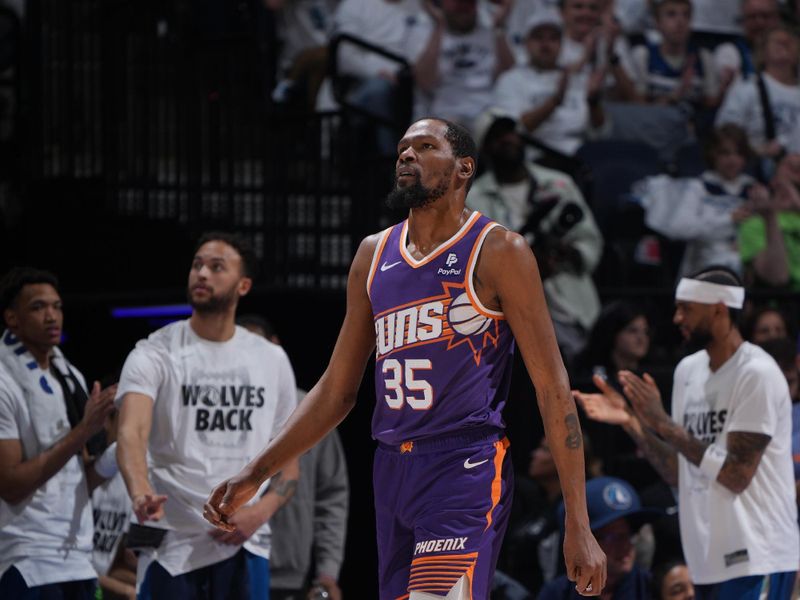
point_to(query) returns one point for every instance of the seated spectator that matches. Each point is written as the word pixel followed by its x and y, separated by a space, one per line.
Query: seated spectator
pixel 620 340
pixel 304 27
pixel 390 25
pixel 671 581
pixel 460 61
pixel 702 210
pixel 531 550
pixel 615 515
pixel 766 323
pixel 737 57
pixel 559 107
pixel 675 70
pixel 590 42
pixel 548 209
pixel 769 240
pixel 768 111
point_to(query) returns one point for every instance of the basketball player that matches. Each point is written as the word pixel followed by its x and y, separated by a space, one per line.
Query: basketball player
pixel 727 446
pixel 197 398
pixel 442 296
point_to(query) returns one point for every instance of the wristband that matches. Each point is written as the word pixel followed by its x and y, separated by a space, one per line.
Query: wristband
pixel 713 459
pixel 106 463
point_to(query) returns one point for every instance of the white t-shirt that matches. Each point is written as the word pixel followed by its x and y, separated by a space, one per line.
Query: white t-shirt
pixel 216 406
pixel 304 24
pixel 390 25
pixel 467 65
pixel 48 536
pixel 715 16
pixel 742 106
pixel 726 535
pixel 111 509
pixel 524 88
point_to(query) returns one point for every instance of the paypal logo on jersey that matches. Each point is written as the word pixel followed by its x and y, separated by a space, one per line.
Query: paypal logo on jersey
pixel 448 269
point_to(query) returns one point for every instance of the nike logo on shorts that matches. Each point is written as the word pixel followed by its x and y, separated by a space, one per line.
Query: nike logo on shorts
pixel 385 267
pixel 472 465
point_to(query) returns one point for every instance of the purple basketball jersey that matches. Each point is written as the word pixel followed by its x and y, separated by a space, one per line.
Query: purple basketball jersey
pixel 443 360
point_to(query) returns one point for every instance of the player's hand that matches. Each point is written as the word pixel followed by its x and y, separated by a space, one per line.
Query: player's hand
pixel 246 521
pixel 586 562
pixel 98 407
pixel 329 584
pixel 148 507
pixel 606 407
pixel 227 498
pixel 644 398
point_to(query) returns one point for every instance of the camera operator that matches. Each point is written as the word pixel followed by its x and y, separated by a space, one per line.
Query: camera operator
pixel 547 208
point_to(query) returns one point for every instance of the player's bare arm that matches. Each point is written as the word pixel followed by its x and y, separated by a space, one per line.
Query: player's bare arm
pixel 744 449
pixel 507 279
pixel 325 405
pixel 19 478
pixel 135 421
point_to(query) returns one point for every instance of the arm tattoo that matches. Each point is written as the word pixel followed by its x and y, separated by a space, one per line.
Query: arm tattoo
pixel 745 450
pixel 663 458
pixel 282 487
pixel 574 440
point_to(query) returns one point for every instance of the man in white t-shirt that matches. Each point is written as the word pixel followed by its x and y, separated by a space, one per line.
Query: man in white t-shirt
pixel 460 61
pixel 198 399
pixel 46 419
pixel 559 107
pixel 727 446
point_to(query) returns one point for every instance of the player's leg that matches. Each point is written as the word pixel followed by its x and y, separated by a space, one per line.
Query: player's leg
pixel 395 538
pixel 460 527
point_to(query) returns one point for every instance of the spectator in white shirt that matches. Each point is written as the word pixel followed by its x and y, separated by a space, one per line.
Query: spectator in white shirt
pixel 559 107
pixel 738 57
pixel 461 60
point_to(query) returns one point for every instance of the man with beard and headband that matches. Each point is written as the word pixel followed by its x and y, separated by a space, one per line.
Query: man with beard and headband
pixel 198 399
pixel 440 298
pixel 727 447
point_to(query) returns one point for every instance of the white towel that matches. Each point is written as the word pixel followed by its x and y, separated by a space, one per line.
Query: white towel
pixel 43 394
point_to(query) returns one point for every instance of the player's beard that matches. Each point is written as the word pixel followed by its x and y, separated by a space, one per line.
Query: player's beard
pixel 699 339
pixel 214 303
pixel 416 195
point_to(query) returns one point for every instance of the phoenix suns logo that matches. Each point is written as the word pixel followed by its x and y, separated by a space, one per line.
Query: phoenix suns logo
pixel 449 317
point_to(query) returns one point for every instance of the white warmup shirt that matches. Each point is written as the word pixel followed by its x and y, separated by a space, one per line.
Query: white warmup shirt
pixel 216 406
pixel 523 89
pixel 726 535
pixel 111 509
pixel 742 106
pixel 47 536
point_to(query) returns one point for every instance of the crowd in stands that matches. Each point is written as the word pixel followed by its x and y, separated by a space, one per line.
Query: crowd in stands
pixel 690 108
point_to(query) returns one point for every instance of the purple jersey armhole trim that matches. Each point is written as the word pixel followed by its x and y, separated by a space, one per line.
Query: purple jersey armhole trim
pixel 473 260
pixel 376 256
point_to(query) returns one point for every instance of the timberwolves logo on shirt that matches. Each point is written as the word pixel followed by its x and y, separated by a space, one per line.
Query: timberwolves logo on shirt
pixel 701 421
pixel 222 404
pixel 449 317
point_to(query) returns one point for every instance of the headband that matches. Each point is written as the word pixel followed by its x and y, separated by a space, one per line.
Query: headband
pixel 705 292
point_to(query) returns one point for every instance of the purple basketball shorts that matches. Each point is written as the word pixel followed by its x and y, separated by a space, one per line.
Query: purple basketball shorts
pixel 442 507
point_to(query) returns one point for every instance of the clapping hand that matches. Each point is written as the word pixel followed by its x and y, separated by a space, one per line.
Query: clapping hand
pixel 606 407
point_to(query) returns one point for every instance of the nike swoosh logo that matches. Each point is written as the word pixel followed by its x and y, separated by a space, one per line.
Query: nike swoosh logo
pixel 471 465
pixel 385 267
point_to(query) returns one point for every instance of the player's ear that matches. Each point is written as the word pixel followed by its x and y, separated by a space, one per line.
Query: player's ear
pixel 245 285
pixel 466 168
